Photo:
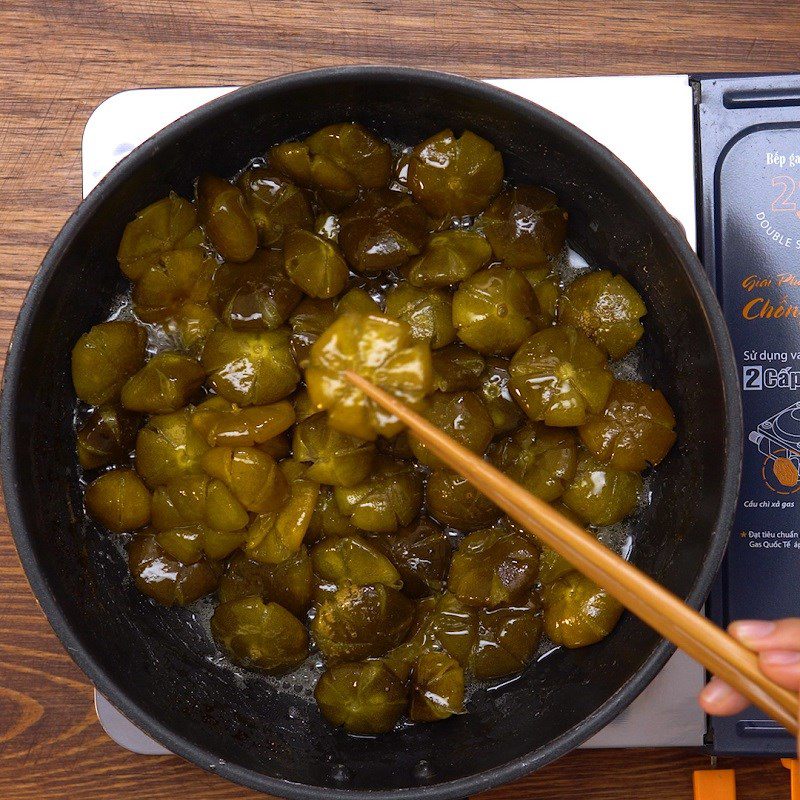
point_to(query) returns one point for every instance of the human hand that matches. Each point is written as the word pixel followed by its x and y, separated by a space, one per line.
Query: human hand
pixel 778 646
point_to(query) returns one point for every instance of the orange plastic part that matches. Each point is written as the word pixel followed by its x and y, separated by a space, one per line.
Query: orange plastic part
pixel 794 776
pixel 714 784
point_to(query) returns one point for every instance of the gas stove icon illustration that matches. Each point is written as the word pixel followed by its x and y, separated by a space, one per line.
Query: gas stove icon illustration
pixel 778 438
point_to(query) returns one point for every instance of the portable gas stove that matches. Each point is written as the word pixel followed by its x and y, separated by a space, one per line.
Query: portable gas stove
pixel 677 134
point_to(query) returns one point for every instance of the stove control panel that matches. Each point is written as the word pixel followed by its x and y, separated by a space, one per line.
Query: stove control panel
pixel 748 165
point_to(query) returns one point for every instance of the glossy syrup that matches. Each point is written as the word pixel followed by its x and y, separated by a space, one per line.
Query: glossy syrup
pixel 300 683
pixel 619 537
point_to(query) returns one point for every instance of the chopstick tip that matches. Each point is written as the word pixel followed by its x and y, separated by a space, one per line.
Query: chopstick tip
pixel 352 377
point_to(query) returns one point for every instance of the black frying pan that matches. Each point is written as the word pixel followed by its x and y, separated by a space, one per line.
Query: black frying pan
pixel 159 673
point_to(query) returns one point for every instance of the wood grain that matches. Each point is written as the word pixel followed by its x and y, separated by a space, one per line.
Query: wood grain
pixel 60 58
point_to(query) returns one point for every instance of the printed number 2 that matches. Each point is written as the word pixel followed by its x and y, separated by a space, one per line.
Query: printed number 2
pixel 751 377
pixel 781 202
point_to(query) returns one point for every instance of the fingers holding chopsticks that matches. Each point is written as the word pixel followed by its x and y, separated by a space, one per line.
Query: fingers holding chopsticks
pixel 778 646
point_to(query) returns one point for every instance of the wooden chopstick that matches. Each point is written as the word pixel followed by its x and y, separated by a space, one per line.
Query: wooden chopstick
pixel 708 644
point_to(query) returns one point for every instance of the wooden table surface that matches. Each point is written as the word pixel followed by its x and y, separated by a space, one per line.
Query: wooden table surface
pixel 60 58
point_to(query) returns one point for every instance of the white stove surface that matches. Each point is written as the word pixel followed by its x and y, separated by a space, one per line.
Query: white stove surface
pixel 647 122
